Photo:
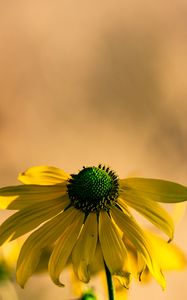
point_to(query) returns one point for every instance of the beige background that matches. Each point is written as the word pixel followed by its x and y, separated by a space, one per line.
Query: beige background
pixel 84 82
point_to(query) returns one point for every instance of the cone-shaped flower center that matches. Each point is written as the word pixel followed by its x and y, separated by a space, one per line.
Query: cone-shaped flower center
pixel 93 189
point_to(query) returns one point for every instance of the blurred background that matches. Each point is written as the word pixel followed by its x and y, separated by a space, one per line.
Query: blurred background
pixel 89 82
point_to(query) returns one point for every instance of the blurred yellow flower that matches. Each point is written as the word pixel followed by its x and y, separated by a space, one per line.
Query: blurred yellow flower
pixel 83 212
pixel 170 258
pixel 8 257
pixel 9 253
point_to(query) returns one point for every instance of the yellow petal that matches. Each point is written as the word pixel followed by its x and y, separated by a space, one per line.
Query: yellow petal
pixel 170 256
pixel 132 254
pixel 43 237
pixel 18 197
pixel 141 267
pixel 85 247
pixel 150 209
pixel 63 248
pixel 43 175
pixel 140 241
pixel 97 263
pixel 30 217
pixel 113 249
pixel 155 189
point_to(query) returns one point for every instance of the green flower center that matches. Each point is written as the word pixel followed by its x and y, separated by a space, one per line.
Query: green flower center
pixel 93 189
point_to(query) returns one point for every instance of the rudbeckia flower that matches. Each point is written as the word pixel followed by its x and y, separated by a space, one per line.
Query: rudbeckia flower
pixel 80 213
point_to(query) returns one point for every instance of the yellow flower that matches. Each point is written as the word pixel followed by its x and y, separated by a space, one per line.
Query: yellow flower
pixel 82 212
pixel 7 264
pixel 170 258
pixel 8 256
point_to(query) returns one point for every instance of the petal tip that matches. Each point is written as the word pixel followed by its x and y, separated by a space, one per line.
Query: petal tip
pixel 21 282
pixel 58 283
pixel 124 278
pixel 171 237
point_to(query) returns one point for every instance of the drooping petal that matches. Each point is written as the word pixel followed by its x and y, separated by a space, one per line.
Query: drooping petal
pixel 18 197
pixel 141 242
pixel 43 237
pixel 141 266
pixel 132 254
pixel 97 264
pixel 43 175
pixel 63 249
pixel 30 217
pixel 113 249
pixel 151 210
pixel 84 251
pixel 155 189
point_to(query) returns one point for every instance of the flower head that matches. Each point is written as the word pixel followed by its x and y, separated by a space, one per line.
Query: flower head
pixel 79 214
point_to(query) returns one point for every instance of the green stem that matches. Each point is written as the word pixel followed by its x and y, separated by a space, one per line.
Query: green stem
pixel 109 284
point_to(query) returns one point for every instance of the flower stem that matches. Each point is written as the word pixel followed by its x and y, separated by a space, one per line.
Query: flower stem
pixel 109 284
